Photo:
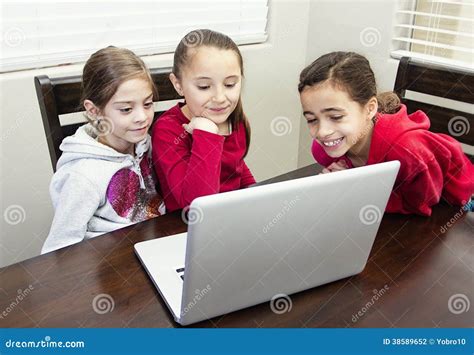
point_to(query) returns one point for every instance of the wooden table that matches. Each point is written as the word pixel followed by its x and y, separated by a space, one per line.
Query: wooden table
pixel 419 274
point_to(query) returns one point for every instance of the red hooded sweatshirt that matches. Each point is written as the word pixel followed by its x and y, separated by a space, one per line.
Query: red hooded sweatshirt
pixel 189 166
pixel 432 165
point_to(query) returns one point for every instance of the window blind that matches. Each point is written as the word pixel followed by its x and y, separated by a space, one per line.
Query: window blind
pixel 439 31
pixel 46 33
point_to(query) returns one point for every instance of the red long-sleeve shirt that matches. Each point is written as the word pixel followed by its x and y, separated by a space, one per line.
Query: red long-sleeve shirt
pixel 432 165
pixel 190 166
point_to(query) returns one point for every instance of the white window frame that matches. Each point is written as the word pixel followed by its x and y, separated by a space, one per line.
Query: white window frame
pixel 32 34
pixel 405 26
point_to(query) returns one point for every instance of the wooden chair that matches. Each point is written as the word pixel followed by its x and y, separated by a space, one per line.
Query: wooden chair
pixel 59 96
pixel 441 82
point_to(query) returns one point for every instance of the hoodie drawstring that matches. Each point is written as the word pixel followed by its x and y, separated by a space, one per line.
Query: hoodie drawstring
pixel 136 168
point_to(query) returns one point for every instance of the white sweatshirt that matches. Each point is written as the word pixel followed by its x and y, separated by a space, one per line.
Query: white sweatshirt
pixel 96 189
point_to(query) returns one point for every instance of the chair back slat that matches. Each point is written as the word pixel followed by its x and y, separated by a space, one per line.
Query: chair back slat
pixel 59 96
pixel 444 83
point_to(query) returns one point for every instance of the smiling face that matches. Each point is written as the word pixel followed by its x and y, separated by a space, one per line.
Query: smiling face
pixel 210 83
pixel 338 123
pixel 128 115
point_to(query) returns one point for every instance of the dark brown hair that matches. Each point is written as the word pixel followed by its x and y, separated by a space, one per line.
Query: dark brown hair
pixel 208 38
pixel 351 72
pixel 107 69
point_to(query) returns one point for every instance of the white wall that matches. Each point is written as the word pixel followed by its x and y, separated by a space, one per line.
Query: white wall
pixel 299 32
pixel 270 95
pixel 363 26
pixel 25 166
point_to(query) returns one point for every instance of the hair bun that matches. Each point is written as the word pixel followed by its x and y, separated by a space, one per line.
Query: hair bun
pixel 389 102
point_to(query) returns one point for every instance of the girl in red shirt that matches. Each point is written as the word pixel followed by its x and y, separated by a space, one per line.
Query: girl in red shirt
pixel 199 145
pixel 352 126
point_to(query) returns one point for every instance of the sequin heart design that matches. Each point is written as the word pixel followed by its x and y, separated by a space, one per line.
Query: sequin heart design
pixel 122 191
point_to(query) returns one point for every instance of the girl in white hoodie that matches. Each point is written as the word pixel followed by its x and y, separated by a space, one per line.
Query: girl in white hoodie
pixel 104 178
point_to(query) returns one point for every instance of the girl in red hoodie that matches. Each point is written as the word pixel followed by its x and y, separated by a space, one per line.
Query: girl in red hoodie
pixel 199 145
pixel 352 127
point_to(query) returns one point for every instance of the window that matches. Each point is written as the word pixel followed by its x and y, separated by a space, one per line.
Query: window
pixel 440 31
pixel 45 33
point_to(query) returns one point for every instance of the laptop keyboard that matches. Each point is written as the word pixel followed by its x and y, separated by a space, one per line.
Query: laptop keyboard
pixel 180 272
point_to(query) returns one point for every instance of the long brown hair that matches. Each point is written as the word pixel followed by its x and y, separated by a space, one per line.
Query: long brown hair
pixel 204 37
pixel 351 72
pixel 107 69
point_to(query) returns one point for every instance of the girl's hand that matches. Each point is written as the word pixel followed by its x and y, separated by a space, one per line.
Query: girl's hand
pixel 201 123
pixel 337 166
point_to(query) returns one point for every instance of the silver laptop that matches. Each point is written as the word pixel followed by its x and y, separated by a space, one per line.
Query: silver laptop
pixel 245 247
